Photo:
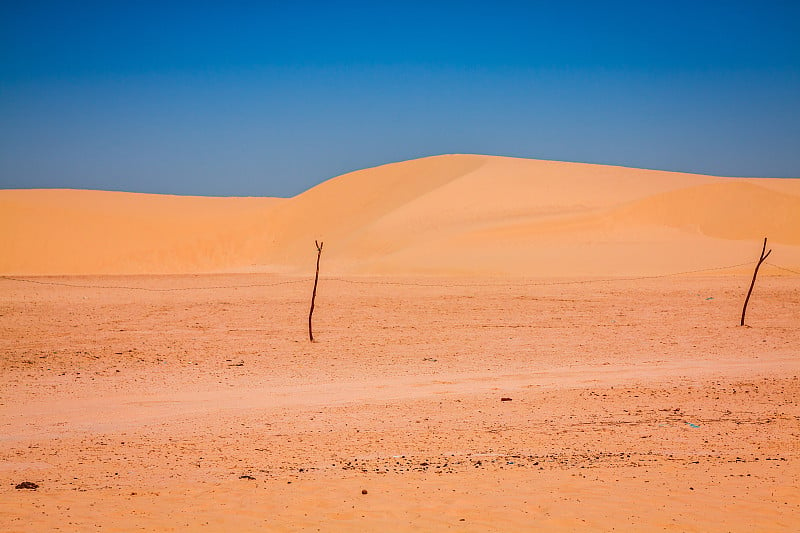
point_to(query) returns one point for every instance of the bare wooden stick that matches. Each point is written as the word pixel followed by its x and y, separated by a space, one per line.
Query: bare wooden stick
pixel 314 293
pixel 755 273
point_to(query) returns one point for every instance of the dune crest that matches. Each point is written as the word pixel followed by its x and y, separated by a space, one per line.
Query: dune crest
pixel 444 215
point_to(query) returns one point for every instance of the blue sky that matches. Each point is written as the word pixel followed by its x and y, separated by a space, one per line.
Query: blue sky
pixel 270 98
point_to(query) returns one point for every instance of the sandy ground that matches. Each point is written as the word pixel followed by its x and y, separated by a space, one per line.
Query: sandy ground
pixel 635 405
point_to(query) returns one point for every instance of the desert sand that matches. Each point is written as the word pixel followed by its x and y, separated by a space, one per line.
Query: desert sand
pixel 446 215
pixel 502 345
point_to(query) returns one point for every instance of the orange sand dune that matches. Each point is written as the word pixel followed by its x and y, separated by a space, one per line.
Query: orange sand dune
pixel 96 232
pixel 444 215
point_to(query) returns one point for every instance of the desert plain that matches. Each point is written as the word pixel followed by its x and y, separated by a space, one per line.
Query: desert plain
pixel 500 345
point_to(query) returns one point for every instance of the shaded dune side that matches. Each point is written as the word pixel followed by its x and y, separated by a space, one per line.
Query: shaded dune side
pixel 339 210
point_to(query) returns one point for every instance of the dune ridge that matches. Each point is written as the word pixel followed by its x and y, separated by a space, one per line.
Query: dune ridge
pixel 442 215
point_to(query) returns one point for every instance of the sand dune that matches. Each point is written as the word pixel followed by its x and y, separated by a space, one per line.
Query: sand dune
pixel 99 232
pixel 449 215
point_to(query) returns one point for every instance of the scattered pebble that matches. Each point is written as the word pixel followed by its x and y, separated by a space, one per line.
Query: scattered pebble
pixel 30 485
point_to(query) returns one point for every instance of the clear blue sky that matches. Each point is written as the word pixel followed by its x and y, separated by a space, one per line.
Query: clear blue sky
pixel 270 98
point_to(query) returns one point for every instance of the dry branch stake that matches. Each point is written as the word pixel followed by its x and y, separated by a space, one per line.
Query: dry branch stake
pixel 314 293
pixel 755 273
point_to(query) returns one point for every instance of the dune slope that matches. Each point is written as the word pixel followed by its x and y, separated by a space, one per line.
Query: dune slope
pixel 449 215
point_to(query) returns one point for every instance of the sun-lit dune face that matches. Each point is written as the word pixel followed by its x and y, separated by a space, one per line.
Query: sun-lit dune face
pixel 448 215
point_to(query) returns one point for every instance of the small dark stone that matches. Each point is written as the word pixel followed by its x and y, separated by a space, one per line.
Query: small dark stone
pixel 27 485
pixel 246 477
pixel 363 491
pixel 505 399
